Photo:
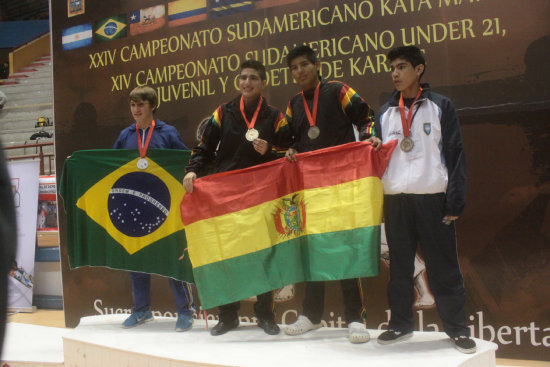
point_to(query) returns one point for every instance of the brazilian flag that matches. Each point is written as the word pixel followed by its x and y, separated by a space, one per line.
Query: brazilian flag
pixel 123 217
pixel 110 28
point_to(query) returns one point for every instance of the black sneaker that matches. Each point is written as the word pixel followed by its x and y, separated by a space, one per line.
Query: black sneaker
pixel 465 344
pixel 224 326
pixel 393 336
pixel 269 326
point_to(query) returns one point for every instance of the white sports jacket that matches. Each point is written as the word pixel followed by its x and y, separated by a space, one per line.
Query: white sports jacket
pixel 436 164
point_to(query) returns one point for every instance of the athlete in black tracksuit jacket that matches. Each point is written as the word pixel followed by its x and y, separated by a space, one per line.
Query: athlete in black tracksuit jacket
pixel 223 143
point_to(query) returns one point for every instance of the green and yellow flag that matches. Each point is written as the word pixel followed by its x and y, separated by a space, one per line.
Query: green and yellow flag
pixel 123 217
pixel 254 230
pixel 110 28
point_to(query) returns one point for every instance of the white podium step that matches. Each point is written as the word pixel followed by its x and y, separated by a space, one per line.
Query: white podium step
pixel 33 346
pixel 101 341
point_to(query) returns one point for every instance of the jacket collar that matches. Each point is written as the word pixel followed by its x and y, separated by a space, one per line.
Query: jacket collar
pixel 310 92
pixel 394 100
pixel 235 105
pixel 158 124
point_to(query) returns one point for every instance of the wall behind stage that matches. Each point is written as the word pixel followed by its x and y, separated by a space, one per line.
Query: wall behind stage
pixel 488 56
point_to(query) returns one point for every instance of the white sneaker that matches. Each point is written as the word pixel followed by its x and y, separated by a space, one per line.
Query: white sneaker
pixel 358 333
pixel 302 325
pixel 424 302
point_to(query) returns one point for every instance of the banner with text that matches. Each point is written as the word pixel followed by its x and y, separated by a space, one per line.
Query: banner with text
pixel 486 55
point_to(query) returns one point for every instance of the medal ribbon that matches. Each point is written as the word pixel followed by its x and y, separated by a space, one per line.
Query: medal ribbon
pixel 251 124
pixel 406 122
pixel 312 119
pixel 143 150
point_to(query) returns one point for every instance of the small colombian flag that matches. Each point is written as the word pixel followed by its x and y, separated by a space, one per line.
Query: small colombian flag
pixel 186 11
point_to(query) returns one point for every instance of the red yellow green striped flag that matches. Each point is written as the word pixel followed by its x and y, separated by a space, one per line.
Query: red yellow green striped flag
pixel 253 230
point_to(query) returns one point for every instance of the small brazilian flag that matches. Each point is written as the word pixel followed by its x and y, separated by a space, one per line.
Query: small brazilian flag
pixel 123 217
pixel 110 28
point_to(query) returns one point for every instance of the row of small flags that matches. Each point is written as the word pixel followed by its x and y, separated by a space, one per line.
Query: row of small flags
pixel 149 19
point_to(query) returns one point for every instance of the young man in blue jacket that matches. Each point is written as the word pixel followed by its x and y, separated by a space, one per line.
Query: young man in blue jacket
pixel 150 132
pixel 424 193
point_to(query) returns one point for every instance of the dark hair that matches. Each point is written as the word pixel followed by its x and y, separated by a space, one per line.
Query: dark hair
pixel 411 54
pixel 256 65
pixel 301 51
pixel 145 93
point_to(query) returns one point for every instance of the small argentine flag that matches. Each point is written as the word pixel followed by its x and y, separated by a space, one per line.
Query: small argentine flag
pixel 78 36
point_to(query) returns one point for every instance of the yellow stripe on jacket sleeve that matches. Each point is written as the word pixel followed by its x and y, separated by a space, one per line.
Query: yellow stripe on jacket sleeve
pixel 288 113
pixel 281 122
pixel 347 97
pixel 217 116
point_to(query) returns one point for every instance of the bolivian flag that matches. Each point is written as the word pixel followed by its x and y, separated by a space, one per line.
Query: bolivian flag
pixel 123 217
pixel 257 229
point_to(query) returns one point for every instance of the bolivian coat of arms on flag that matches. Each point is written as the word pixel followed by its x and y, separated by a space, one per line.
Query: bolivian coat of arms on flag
pixel 123 217
pixel 290 216
pixel 257 229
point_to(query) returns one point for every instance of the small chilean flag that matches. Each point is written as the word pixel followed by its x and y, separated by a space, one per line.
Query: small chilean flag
pixel 147 19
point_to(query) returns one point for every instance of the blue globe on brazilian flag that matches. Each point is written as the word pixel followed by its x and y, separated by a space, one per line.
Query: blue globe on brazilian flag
pixel 110 28
pixel 123 217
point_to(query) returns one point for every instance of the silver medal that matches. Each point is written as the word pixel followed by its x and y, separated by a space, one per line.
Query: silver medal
pixel 313 132
pixel 142 163
pixel 252 134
